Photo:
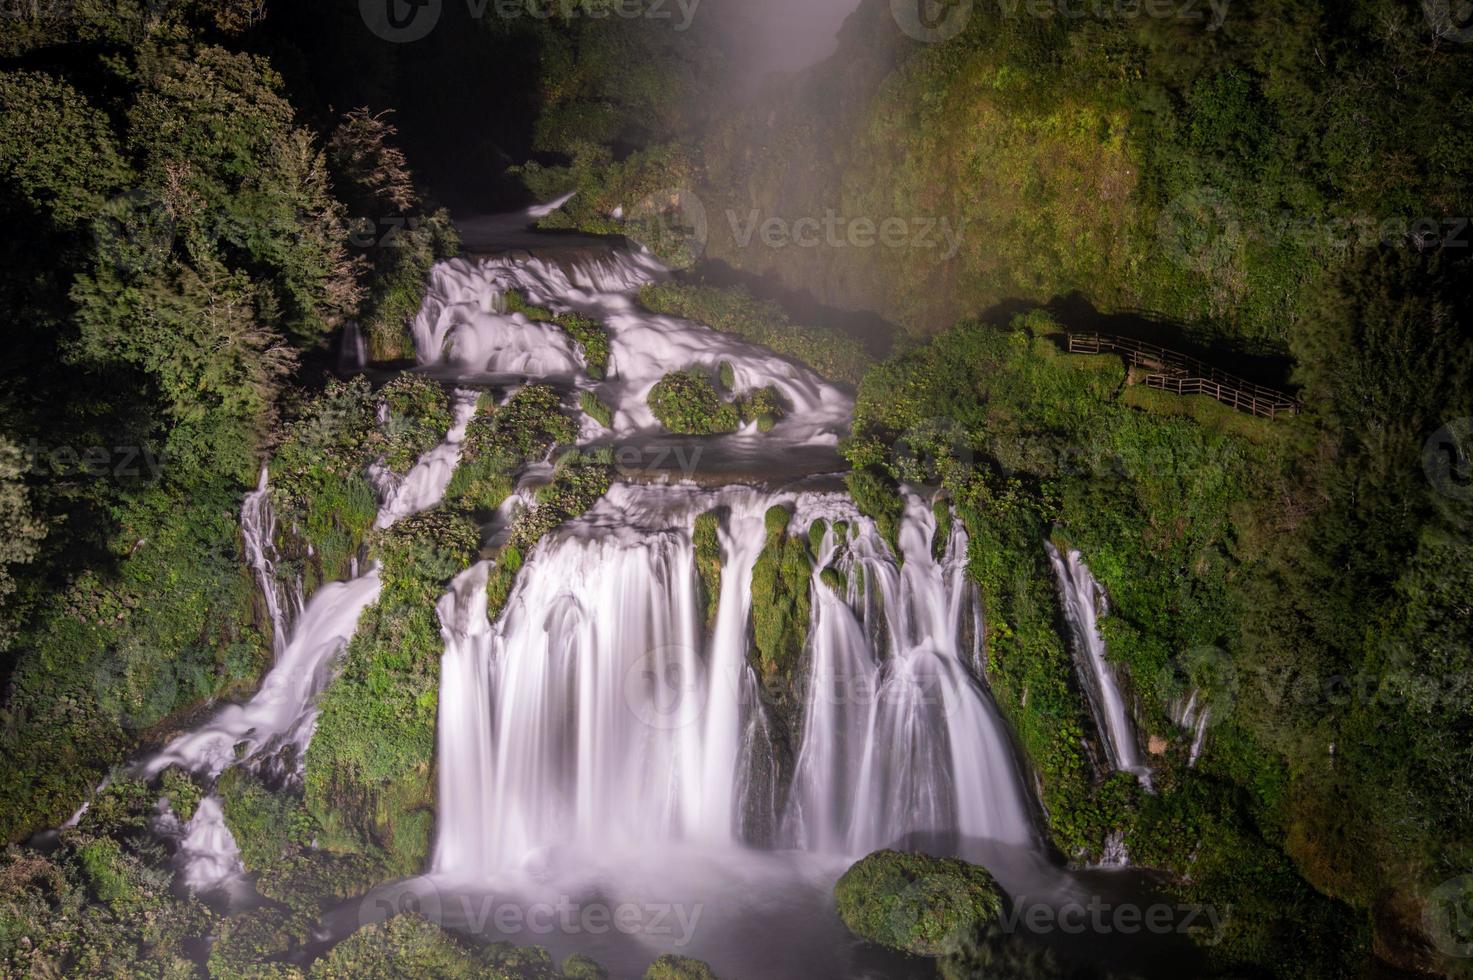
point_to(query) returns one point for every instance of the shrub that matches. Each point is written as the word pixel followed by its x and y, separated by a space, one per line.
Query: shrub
pixel 915 903
pixel 686 403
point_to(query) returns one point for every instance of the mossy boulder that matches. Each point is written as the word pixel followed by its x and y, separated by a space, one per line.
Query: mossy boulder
pixel 672 967
pixel 780 601
pixel 706 537
pixel 687 403
pixel 916 903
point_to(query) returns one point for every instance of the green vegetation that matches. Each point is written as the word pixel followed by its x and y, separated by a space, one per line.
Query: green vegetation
pixel 370 774
pixel 780 602
pixel 416 417
pixel 578 482
pixel 591 339
pixel 595 409
pixel 1239 560
pixel 706 537
pixel 831 353
pixel 1213 176
pixel 672 967
pixel 500 440
pixel 101 903
pixel 411 946
pixel 188 245
pixel 916 903
pixel 687 403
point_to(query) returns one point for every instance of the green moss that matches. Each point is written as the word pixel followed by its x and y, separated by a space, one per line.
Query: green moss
pixel 726 374
pixel 501 439
pixel 941 511
pixel 265 823
pixel 580 967
pixel 412 946
pixel 830 353
pixel 916 903
pixel 591 339
pixel 254 945
pixel 416 419
pixel 101 862
pixel 672 967
pixel 763 406
pixel 578 482
pixel 878 497
pixel 686 403
pixel 183 793
pixel 369 782
pixel 706 538
pixel 596 409
pixel 780 602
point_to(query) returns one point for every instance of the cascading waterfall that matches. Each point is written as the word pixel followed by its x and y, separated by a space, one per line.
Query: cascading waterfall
pixel 597 710
pixel 1192 716
pixel 905 739
pixel 258 531
pixel 1084 599
pixel 283 712
pixel 599 726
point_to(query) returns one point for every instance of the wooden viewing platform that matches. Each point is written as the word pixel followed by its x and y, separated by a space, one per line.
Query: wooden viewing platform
pixel 1168 370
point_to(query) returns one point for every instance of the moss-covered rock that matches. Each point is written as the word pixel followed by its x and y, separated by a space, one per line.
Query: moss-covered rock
pixel 672 967
pixel 580 967
pixel 706 538
pixel 687 403
pixel 416 417
pixel 780 602
pixel 369 782
pixel 916 903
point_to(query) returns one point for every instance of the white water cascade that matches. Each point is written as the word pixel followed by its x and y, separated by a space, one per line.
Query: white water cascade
pixel 283 712
pixel 903 738
pixel 598 735
pixel 258 531
pixel 1084 600
pixel 597 711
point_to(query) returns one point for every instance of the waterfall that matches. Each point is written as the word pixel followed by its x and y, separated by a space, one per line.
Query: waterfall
pixel 258 531
pixel 1193 717
pixel 934 756
pixel 596 711
pixel 283 712
pixel 352 350
pixel 1084 601
pixel 463 333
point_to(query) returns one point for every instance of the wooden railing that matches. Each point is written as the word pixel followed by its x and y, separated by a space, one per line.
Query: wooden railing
pixel 1169 370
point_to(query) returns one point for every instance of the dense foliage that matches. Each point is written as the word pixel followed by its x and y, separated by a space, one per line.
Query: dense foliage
pixel 916 903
